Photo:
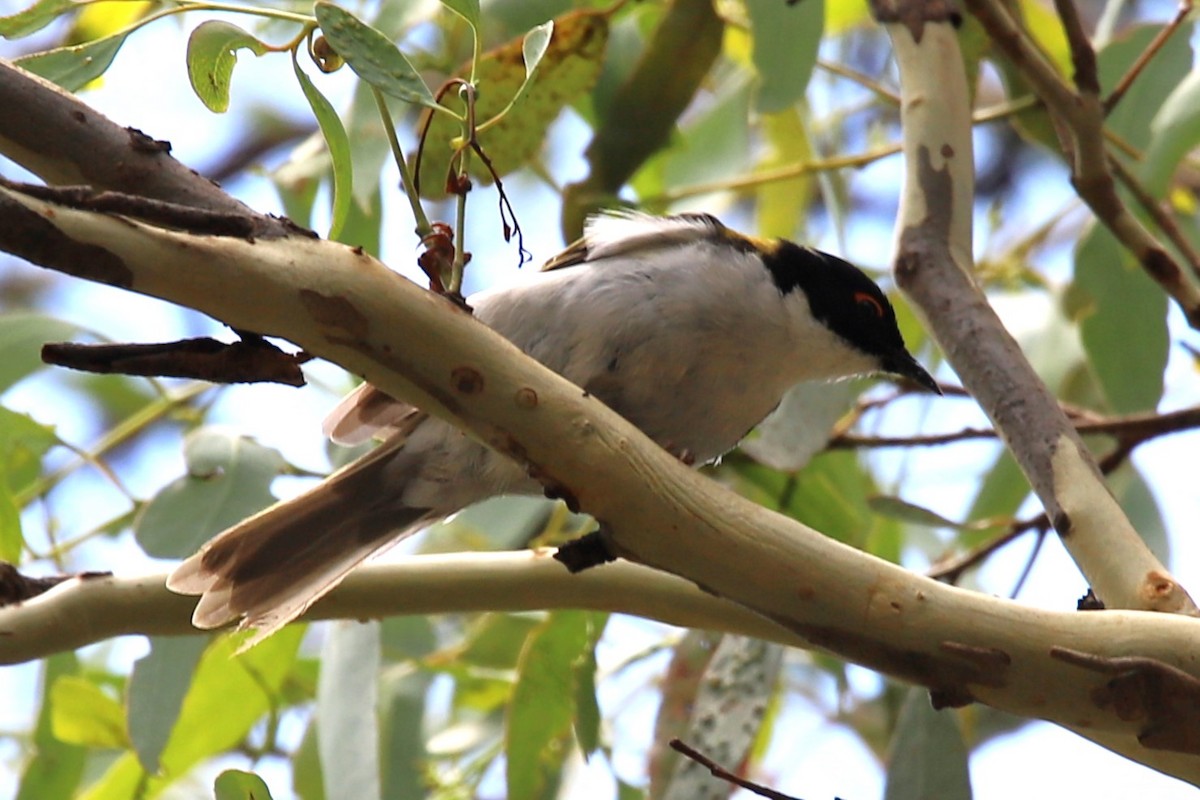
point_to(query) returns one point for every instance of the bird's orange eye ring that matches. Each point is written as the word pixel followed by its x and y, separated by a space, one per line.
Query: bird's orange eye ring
pixel 869 303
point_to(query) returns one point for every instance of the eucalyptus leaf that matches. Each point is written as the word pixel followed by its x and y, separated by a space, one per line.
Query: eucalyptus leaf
pixel 372 55
pixel 927 757
pixel 786 39
pixel 229 478
pixel 339 149
pixel 348 736
pixel 75 66
pixel 21 338
pixel 33 19
pixel 211 56
pixel 234 784
pixel 159 682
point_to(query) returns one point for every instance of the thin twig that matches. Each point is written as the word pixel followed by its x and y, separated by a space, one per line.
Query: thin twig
pixel 1152 49
pixel 720 772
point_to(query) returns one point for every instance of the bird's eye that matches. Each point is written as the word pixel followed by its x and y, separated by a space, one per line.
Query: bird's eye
pixel 869 304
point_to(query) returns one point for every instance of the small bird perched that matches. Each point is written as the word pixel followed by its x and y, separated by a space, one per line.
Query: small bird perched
pixel 691 331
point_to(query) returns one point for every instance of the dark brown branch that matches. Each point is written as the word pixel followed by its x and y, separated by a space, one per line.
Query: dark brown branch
pixel 720 772
pixel 1133 430
pixel 162 213
pixel 252 360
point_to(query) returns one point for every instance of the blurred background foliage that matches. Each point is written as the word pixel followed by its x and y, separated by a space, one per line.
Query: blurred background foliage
pixel 783 119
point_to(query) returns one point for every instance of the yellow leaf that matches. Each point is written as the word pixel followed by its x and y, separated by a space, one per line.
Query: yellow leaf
pixel 98 20
pixel 80 713
pixel 567 71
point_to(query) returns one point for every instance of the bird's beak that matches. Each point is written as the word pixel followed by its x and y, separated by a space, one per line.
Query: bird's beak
pixel 902 363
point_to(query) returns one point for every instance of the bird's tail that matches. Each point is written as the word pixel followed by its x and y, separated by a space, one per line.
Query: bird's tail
pixel 269 569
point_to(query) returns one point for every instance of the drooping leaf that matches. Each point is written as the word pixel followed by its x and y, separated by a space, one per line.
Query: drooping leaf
pixel 234 784
pixel 1134 119
pixel 339 149
pixel 81 713
pixel 467 9
pixel 780 205
pixel 523 85
pixel 75 66
pixel 729 705
pixel 33 19
pixel 211 56
pixel 229 478
pixel 56 768
pixel 542 708
pixel 786 39
pixel 402 752
pixel 1123 322
pixel 228 695
pixel 372 55
pixel 927 757
pixel 159 682
pixel 21 338
pixel 23 443
pixel 348 736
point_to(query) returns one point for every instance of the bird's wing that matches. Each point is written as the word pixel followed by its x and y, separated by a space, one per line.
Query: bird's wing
pixel 621 233
pixel 368 413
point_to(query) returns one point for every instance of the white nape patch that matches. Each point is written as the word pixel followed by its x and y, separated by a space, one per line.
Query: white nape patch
pixel 616 232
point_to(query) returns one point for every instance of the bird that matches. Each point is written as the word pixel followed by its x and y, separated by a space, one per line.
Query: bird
pixel 689 329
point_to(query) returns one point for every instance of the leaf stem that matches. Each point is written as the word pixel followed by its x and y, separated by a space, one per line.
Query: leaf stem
pixel 423 228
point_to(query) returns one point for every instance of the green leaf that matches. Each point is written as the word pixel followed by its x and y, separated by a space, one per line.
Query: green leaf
pixel 901 509
pixel 56 768
pixel 524 84
pixel 496 641
pixel 12 539
pixel 211 56
pixel 233 784
pixel 307 781
pixel 76 66
pixel 1123 322
pixel 21 340
pixel 228 696
pixel 348 736
pixel 780 206
pixel 157 687
pixel 23 443
pixel 786 39
pixel 372 55
pixel 542 709
pixel 1134 117
pixel 81 713
pixel 1175 132
pixel 467 9
pixel 927 757
pixel 229 478
pixel 339 149
pixel 402 732
pixel 34 18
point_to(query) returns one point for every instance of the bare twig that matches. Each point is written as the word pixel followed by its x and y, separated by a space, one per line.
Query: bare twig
pixel 720 772
pixel 1147 55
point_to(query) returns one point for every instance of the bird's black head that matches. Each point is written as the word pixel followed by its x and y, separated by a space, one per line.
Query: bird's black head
pixel 850 304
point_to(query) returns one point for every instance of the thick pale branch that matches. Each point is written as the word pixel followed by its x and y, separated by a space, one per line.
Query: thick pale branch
pixel 933 266
pixel 83 611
